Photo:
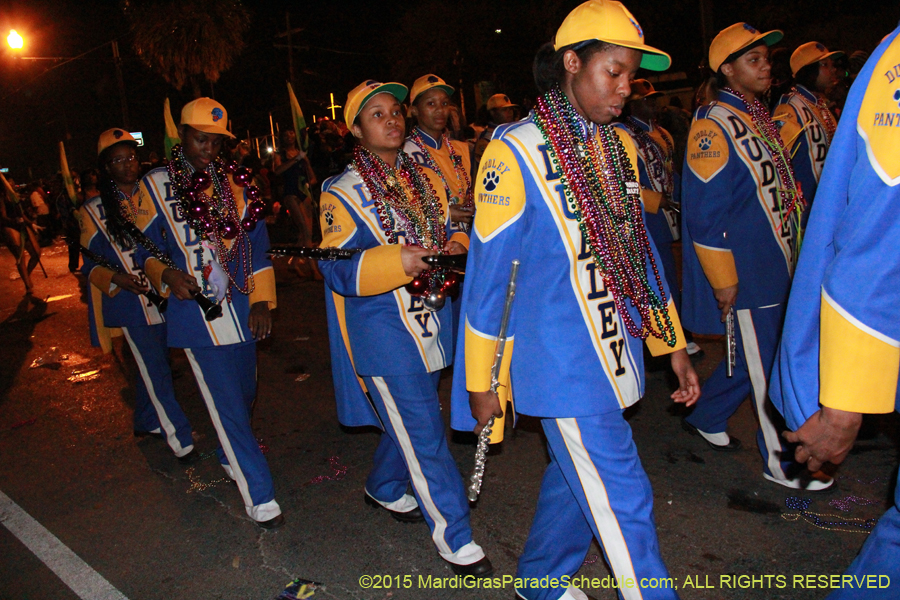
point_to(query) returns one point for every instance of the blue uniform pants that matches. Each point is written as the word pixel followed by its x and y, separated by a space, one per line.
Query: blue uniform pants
pixel 879 559
pixel 757 332
pixel 155 406
pixel 413 449
pixel 594 487
pixel 226 376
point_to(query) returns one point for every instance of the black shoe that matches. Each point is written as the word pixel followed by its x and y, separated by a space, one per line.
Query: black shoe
pixel 142 434
pixel 732 445
pixel 273 523
pixel 413 516
pixel 189 458
pixel 478 569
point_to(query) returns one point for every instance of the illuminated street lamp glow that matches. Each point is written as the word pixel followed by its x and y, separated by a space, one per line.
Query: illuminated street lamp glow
pixel 498 31
pixel 269 149
pixel 14 40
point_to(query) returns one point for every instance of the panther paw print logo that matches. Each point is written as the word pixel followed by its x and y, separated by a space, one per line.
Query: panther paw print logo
pixel 329 218
pixel 705 143
pixel 491 179
pixel 897 97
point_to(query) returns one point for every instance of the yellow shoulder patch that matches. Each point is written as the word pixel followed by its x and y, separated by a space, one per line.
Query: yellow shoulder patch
pixel 879 116
pixel 707 149
pixel 786 118
pixel 499 190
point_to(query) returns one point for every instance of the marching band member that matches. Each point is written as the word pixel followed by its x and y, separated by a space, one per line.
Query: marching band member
pixel 740 219
pixel 840 354
pixel 393 210
pixel 122 303
pixel 200 214
pixel 806 125
pixel 660 182
pixel 558 191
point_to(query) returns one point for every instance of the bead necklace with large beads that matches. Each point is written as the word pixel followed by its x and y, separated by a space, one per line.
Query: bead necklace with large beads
pixel 405 200
pixel 214 217
pixel 600 187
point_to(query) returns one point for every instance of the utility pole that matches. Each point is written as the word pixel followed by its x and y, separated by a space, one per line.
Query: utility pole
pixel 118 60
pixel 290 45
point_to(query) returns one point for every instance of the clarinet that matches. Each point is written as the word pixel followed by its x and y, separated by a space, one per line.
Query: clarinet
pixel 211 310
pixel 158 301
pixel 481 450
pixel 330 253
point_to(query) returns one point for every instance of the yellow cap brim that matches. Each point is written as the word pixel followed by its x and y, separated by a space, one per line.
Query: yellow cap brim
pixel 447 89
pixel 211 129
pixel 652 59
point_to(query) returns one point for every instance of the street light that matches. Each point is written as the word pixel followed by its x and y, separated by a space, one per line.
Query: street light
pixel 14 40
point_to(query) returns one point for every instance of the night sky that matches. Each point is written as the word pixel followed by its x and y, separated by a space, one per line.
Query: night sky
pixel 342 44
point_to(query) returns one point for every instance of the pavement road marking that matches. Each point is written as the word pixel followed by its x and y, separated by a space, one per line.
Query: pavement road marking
pixel 87 583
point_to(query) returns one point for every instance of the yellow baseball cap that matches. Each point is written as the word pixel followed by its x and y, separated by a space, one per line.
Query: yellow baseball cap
pixel 640 89
pixel 809 53
pixel 499 101
pixel 427 82
pixel 207 115
pixel 114 136
pixel 362 93
pixel 609 21
pixel 735 38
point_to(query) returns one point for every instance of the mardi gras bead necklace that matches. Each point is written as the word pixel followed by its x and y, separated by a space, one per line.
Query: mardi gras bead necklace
pixel 659 163
pixel 214 217
pixel 600 186
pixel 819 112
pixel 462 176
pixel 792 200
pixel 406 201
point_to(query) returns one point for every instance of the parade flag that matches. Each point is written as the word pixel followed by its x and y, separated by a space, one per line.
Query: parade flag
pixel 67 176
pixel 10 192
pixel 299 121
pixel 171 130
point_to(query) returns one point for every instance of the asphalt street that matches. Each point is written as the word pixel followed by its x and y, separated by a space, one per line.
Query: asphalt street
pixel 129 519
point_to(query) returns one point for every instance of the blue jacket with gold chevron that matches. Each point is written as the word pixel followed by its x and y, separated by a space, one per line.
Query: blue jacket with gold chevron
pixel 567 338
pixel 733 224
pixel 376 327
pixel 119 308
pixel 841 342
pixel 806 126
pixel 163 224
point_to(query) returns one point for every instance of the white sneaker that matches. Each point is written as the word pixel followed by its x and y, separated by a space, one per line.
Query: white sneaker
pixel 692 348
pixel 817 483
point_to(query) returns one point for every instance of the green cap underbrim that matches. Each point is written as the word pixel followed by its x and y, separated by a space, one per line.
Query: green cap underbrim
pixel 396 90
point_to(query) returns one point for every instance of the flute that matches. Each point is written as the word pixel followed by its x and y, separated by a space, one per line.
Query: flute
pixel 211 310
pixel 730 344
pixel 477 476
pixel 158 301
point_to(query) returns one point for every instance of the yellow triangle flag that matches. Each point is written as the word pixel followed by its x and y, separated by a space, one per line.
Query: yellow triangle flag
pixel 171 130
pixel 298 120
pixel 66 175
pixel 10 192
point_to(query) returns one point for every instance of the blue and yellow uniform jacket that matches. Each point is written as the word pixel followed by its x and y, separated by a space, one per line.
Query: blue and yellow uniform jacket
pixel 108 307
pixel 803 130
pixel 171 233
pixel 734 228
pixel 841 342
pixel 568 350
pixel 376 327
pixel 659 224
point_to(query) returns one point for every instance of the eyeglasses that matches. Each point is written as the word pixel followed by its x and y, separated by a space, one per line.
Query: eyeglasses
pixel 124 159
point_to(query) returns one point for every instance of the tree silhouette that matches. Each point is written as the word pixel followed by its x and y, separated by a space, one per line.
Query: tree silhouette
pixel 187 41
